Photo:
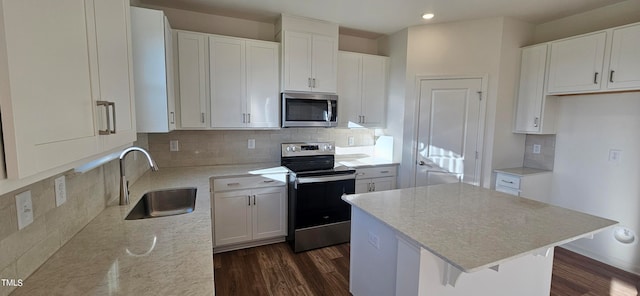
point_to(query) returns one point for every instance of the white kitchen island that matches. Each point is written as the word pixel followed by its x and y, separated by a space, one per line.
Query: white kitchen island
pixel 458 239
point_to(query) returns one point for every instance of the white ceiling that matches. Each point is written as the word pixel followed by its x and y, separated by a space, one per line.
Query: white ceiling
pixel 388 16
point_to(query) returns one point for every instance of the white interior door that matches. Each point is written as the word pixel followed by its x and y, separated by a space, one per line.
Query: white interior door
pixel 448 131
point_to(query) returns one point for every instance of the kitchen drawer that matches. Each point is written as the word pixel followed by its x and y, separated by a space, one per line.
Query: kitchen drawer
pixel 509 181
pixel 235 183
pixel 508 190
pixel 376 172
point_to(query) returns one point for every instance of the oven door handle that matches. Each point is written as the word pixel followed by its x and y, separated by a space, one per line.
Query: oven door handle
pixel 308 180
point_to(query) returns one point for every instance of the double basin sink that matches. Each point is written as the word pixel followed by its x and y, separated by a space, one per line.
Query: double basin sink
pixel 162 203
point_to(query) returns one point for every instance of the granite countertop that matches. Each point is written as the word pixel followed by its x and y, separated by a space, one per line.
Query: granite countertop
pixel 474 228
pixel 362 160
pixel 161 256
pixel 522 171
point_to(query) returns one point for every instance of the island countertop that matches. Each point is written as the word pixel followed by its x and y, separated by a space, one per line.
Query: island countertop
pixel 474 228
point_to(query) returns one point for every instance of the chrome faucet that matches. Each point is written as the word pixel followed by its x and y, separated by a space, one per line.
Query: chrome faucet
pixel 124 184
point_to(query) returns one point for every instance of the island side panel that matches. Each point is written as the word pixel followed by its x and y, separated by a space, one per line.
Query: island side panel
pixel 529 275
pixel 372 269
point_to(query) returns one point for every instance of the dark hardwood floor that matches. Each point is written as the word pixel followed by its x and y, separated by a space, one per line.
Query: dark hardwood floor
pixel 276 270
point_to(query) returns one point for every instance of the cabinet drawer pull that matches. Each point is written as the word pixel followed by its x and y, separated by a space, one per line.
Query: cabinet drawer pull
pixel 611 75
pixel 595 78
pixel 268 181
pixel 384 172
pixel 233 184
pixel 505 181
pixel 360 174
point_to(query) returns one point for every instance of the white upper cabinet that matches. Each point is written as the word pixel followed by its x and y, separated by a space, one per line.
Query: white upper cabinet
pixel 244 83
pixel 576 64
pixel 535 112
pixel 362 81
pixel 227 81
pixel 53 76
pixel 310 62
pixel 624 68
pixel 152 45
pixel 114 70
pixel 192 79
pixel 310 55
pixel 263 80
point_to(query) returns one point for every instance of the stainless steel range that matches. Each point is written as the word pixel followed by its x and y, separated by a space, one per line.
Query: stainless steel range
pixel 318 217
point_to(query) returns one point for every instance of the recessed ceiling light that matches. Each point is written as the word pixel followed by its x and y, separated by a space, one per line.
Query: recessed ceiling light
pixel 428 16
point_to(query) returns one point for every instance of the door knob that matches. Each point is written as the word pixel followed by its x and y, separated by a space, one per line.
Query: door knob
pixel 422 163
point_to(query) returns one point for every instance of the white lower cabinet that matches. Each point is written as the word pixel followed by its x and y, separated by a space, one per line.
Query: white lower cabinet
pixel 536 186
pixel 375 179
pixel 248 216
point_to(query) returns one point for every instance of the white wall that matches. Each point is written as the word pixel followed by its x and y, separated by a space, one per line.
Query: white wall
pixel 357 44
pixel 460 49
pixel 598 19
pixel 583 178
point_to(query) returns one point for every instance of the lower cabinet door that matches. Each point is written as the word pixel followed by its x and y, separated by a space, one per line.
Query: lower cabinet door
pixel 363 185
pixel 381 184
pixel 232 220
pixel 269 212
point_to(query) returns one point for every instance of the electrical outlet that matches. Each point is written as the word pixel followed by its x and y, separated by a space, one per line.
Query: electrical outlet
pixel 24 209
pixel 374 240
pixel 173 146
pixel 536 148
pixel 61 190
pixel 615 155
pixel 351 141
pixel 251 144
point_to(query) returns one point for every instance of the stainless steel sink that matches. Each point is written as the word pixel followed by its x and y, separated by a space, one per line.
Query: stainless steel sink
pixel 163 203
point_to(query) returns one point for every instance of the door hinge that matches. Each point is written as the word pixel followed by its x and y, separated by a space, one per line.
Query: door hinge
pixel 480 95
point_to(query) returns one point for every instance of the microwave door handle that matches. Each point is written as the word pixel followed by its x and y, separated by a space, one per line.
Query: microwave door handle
pixel 329 112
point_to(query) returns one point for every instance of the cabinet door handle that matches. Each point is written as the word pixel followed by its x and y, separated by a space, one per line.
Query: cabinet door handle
pixel 611 75
pixel 248 117
pixel 202 117
pixel 364 119
pixel 254 200
pixel 595 78
pixel 374 186
pixel 535 121
pixel 173 117
pixel 368 187
pixel 109 117
pixel 309 82
pixel 249 200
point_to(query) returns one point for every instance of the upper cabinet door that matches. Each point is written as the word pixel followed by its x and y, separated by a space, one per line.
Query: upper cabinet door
pixel 324 64
pixel 114 70
pixel 531 89
pixel 297 61
pixel 576 64
pixel 374 90
pixel 192 79
pixel 263 92
pixel 349 89
pixel 47 103
pixel 227 81
pixel 624 69
pixel 153 71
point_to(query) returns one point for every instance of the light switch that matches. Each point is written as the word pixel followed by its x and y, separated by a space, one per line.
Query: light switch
pixel 251 144
pixel 615 155
pixel 24 208
pixel 536 148
pixel 173 146
pixel 60 187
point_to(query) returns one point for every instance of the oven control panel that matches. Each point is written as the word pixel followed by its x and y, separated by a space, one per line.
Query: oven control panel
pixel 308 148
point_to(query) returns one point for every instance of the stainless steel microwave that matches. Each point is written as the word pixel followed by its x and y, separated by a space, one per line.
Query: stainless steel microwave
pixel 309 110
